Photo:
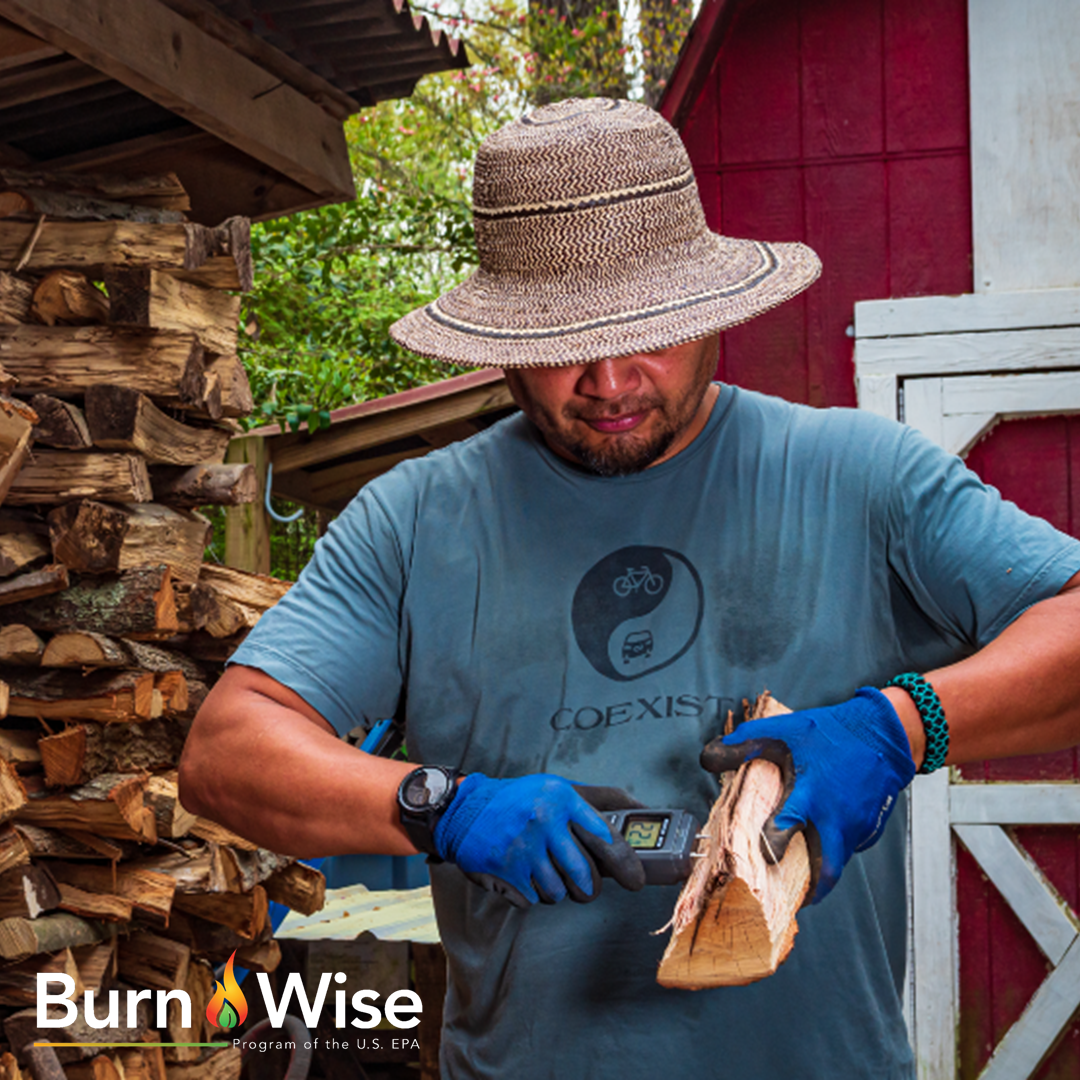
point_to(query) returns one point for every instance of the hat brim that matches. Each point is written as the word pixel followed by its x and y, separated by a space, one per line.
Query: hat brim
pixel 688 293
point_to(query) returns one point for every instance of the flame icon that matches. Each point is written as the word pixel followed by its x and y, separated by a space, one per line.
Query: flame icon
pixel 228 1006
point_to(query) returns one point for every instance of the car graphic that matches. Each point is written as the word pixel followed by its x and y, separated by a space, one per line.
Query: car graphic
pixel 635 644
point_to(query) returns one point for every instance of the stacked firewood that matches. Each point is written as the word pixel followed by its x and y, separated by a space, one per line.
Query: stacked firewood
pixel 120 389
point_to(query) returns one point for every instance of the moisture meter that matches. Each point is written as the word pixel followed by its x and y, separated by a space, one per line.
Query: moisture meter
pixel 664 840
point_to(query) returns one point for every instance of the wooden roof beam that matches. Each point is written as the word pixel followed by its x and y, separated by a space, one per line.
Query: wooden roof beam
pixel 168 59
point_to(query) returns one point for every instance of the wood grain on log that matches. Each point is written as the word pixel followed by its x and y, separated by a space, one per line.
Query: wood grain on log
pixel 27 892
pixel 41 842
pixel 263 956
pixel 244 913
pixel 146 959
pixel 13 849
pixel 220 1065
pixel 104 695
pixel 21 938
pixel 61 206
pixel 205 829
pixel 205 484
pixel 85 648
pixel 93 537
pixel 166 364
pixel 735 920
pixel 96 963
pixel 162 190
pixel 120 418
pixel 194 870
pixel 146 890
pixel 101 1067
pixel 68 298
pixel 18 982
pixel 19 747
pixel 255 591
pixel 16 295
pixel 109 805
pixel 35 583
pixel 12 792
pixel 236 396
pixel 140 602
pixel 299 887
pixel 61 424
pixel 88 905
pixel 163 797
pixel 84 751
pixel 57 476
pixel 161 301
pixel 16 433
pixel 220 257
pixel 20 549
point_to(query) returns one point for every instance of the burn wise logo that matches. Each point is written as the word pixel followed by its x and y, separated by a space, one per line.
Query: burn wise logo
pixel 228 1007
pixel 637 611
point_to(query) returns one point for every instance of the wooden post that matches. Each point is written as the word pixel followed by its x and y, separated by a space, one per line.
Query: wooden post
pixel 247 528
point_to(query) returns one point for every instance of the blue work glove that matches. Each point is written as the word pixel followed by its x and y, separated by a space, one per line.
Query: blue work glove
pixel 533 838
pixel 843 767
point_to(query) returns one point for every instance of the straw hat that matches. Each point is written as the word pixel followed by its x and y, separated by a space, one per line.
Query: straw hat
pixel 593 244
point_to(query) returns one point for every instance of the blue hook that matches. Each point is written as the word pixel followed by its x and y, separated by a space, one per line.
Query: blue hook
pixel 269 509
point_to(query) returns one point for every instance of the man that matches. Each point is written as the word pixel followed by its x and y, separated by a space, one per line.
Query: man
pixel 581 593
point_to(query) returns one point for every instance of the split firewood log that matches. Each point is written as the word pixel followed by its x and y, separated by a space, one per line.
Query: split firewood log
pixel 245 913
pixel 58 476
pixel 19 645
pixel 16 433
pixel 61 424
pixel 145 890
pixel 21 938
pixel 140 602
pixel 23 545
pixel 734 922
pixel 110 805
pixel 18 982
pixel 19 747
pixel 160 300
pixel 219 257
pixel 82 752
pixel 95 537
pixel 68 298
pixel 16 295
pixel 13 849
pixel 121 418
pixel 34 583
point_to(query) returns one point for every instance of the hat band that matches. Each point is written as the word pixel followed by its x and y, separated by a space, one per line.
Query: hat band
pixel 769 261
pixel 588 202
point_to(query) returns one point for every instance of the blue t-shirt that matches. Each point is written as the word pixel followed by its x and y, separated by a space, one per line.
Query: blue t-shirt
pixel 526 616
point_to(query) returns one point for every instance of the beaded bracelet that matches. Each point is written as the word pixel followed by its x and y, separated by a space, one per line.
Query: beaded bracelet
pixel 932 715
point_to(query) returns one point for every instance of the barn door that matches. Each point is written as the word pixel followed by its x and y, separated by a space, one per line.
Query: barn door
pixel 954 367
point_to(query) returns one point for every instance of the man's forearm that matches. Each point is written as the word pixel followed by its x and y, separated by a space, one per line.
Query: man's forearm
pixel 272 770
pixel 1018 695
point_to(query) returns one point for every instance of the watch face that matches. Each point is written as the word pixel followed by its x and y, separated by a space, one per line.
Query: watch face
pixel 426 787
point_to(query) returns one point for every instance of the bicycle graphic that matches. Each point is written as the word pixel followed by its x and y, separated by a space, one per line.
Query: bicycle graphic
pixel 642 578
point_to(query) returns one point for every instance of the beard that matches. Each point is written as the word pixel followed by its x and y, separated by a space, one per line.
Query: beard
pixel 616 454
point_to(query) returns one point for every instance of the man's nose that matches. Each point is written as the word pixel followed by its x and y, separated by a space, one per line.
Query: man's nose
pixel 609 378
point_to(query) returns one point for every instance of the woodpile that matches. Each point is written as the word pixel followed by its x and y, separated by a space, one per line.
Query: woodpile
pixel 734 922
pixel 119 392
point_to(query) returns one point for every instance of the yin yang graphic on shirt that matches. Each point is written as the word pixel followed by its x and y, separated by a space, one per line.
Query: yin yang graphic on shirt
pixel 637 611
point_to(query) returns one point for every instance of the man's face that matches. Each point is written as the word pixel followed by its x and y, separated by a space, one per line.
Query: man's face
pixel 618 417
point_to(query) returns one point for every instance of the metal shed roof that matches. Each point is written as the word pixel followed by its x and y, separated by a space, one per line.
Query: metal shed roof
pixel 243 99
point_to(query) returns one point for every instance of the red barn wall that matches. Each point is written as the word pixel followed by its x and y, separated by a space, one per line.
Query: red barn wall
pixel 844 124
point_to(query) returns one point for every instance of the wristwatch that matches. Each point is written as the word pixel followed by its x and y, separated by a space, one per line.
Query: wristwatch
pixel 423 798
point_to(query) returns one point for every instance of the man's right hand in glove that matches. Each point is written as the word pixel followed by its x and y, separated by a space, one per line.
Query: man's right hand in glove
pixel 535 838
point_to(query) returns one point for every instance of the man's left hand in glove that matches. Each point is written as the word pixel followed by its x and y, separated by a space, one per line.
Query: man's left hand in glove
pixel 843 767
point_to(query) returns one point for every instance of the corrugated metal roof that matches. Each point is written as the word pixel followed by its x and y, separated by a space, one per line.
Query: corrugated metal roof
pixel 391 915
pixel 53 106
pixel 369 49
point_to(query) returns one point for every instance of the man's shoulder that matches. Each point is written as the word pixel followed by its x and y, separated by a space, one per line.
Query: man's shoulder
pixel 776 419
pixel 471 463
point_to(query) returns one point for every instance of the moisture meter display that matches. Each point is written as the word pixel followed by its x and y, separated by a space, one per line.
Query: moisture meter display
pixel 644 832
pixel 663 839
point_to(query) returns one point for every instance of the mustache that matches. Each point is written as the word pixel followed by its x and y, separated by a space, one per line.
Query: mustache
pixel 627 406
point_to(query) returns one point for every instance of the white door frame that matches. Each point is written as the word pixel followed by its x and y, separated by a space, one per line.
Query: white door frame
pixel 953 367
